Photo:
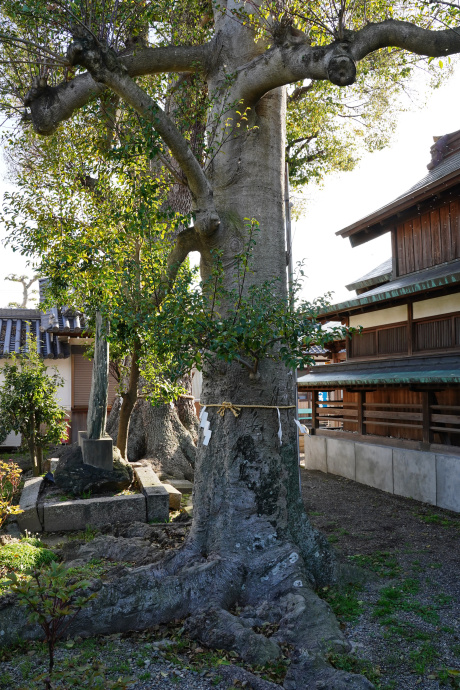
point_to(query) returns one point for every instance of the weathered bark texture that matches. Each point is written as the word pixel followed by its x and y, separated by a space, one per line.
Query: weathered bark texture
pixel 128 400
pixel 186 409
pixel 157 434
pixel 97 407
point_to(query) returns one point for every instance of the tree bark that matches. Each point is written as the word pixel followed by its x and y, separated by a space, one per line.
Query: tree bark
pixel 157 434
pixel 97 408
pixel 129 399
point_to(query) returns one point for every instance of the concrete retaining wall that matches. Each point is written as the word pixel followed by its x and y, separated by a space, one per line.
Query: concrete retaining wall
pixel 429 477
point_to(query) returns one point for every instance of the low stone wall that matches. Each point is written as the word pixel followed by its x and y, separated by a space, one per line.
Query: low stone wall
pixel 428 477
pixel 151 505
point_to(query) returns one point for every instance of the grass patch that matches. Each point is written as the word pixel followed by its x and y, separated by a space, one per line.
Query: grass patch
pixel 434 519
pixel 408 631
pixel 383 563
pixel 25 555
pixel 400 598
pixel 344 601
pixel 353 664
pixel 87 535
pixel 423 658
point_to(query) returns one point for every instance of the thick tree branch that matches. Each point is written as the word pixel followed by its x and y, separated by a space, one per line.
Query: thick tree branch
pixel 51 105
pixel 336 62
pixel 106 69
pixel 187 241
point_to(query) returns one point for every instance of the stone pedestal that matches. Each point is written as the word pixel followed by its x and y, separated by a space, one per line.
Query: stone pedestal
pixel 97 452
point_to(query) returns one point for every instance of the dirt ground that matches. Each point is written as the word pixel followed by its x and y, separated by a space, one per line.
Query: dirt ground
pixel 403 620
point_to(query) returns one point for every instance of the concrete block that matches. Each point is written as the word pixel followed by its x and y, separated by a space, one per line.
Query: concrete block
pixel 315 453
pixel 76 515
pixel 53 464
pixel 182 485
pixel 340 457
pixel 29 520
pixel 156 495
pixel 146 476
pixel 414 474
pixel 374 466
pixel 174 496
pixel 97 452
pixel 448 482
pixel 157 503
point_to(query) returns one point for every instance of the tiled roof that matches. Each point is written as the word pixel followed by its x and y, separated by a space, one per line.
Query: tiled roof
pixel 13 337
pixel 316 350
pixel 379 274
pixel 15 324
pixel 404 371
pixel 410 284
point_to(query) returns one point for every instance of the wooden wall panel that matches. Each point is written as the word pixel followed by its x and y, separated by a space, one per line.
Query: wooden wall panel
pixel 429 239
pixel 417 237
pixel 426 240
pixel 363 344
pixel 82 371
pixel 399 396
pixel 446 242
pixel 455 228
pixel 433 335
pixel 435 223
pixel 392 340
pixel 409 247
pixel 401 253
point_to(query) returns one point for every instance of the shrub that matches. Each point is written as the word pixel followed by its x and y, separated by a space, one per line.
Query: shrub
pixel 10 478
pixel 23 556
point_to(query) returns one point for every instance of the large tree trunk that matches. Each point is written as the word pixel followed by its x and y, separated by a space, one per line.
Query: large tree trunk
pixel 127 405
pixel 157 434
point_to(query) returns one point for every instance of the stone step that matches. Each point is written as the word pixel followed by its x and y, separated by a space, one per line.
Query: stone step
pixel 156 495
pixel 182 485
pixel 174 496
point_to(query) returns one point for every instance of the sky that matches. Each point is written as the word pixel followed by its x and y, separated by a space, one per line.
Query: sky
pixel 330 262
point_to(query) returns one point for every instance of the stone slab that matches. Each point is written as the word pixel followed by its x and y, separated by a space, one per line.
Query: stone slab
pixel 29 520
pixel 174 496
pixel 182 485
pixel 374 466
pixel 53 464
pixel 414 474
pixel 65 516
pixel 340 457
pixel 315 453
pixel 97 452
pixel 156 495
pixel 448 481
pixel 146 476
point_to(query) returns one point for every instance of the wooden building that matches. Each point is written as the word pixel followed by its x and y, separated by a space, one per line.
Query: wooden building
pixel 61 341
pixel 393 417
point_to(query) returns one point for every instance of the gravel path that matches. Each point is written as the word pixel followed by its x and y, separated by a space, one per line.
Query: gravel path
pixel 404 621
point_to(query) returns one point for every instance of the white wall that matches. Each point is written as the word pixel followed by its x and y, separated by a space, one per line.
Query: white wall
pixel 64 367
pixel 382 317
pixel 437 306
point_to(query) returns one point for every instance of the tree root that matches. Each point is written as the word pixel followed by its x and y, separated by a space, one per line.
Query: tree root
pixel 223 609
pixel 219 629
pixel 230 674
